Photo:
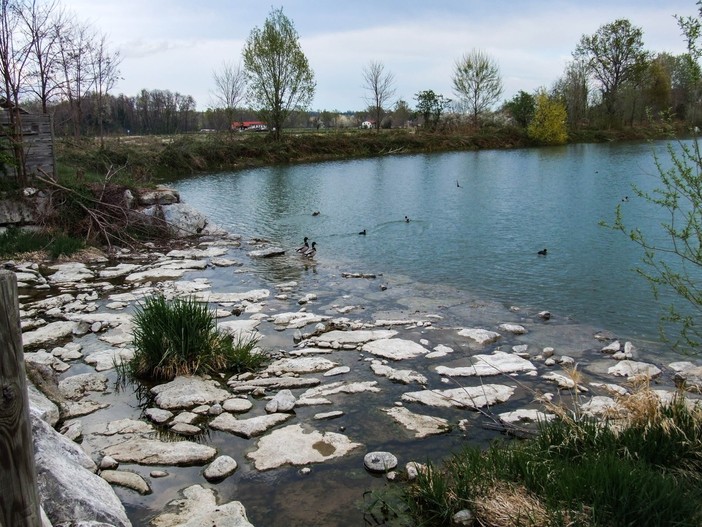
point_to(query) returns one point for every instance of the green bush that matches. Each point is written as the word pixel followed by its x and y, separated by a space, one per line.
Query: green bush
pixel 180 337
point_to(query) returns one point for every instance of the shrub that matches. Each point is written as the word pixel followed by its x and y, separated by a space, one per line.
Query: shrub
pixel 180 337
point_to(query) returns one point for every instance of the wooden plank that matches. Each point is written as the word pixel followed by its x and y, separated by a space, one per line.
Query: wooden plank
pixel 19 503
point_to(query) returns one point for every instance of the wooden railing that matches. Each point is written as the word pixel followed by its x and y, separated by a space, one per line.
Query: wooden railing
pixel 19 502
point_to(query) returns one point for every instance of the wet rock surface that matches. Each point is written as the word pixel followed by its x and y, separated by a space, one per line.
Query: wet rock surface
pixel 353 367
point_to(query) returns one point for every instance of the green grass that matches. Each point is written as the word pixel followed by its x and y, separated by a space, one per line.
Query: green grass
pixel 16 241
pixel 580 473
pixel 180 337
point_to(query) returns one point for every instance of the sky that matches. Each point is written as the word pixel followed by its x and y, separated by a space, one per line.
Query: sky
pixel 178 45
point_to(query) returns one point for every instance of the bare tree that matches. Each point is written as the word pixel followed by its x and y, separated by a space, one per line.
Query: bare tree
pixel 230 89
pixel 477 82
pixel 14 53
pixel 76 42
pixel 380 85
pixel 42 23
pixel 104 66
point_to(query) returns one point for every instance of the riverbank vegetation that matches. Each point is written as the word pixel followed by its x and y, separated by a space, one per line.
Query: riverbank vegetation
pixel 644 470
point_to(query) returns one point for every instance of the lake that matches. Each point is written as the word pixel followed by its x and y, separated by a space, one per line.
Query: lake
pixel 477 221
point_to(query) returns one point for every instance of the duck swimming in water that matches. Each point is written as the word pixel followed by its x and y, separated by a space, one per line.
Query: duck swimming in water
pixel 311 251
pixel 542 252
pixel 304 247
pixel 363 232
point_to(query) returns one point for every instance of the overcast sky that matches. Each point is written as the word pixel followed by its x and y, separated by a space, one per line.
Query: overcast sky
pixel 178 44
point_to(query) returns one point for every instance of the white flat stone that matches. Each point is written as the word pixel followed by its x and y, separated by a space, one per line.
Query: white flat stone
pixel 298 319
pixel 468 397
pixel 248 427
pixel 301 365
pixel 243 330
pixel 237 405
pixel 121 269
pixel 255 295
pixel 339 370
pixel 155 452
pixel 630 368
pixel 328 415
pixel 340 387
pixel 108 359
pixel 126 479
pixel 402 376
pixel 395 349
pixel 524 415
pixel 49 334
pixel 198 508
pixel 360 336
pixel 187 392
pixel 498 363
pixel 210 252
pixel 76 386
pixel 481 336
pixel 515 329
pixel 295 446
pixel 71 273
pixel 421 425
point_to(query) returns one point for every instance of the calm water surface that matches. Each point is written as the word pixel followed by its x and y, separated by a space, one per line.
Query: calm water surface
pixel 477 222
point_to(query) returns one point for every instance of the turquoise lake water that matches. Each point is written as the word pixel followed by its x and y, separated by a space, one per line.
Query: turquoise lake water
pixel 477 221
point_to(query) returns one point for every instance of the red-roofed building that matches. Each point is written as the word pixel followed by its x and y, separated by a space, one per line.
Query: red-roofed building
pixel 252 126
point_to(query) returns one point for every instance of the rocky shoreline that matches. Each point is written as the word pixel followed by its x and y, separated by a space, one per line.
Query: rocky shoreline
pixel 420 365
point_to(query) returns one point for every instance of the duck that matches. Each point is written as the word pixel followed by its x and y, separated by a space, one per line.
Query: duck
pixel 309 253
pixel 315 213
pixel 542 252
pixel 363 232
pixel 407 220
pixel 304 247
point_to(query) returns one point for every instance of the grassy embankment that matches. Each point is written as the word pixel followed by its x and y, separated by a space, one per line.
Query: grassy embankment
pixel 146 159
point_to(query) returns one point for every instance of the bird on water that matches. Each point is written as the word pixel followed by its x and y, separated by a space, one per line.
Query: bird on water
pixel 311 251
pixel 304 247
pixel 363 232
pixel 542 252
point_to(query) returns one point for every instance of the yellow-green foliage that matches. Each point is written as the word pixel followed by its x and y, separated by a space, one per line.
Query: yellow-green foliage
pixel 548 126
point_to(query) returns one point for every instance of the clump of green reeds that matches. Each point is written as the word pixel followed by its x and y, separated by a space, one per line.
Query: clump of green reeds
pixel 180 337
pixel 645 471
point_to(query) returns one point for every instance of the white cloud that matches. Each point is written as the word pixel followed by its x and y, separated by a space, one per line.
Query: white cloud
pixel 176 45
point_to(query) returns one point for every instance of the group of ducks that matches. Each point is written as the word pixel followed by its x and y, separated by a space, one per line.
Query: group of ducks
pixel 305 249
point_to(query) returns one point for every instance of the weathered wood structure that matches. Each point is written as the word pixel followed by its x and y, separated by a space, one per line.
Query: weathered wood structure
pixel 19 502
pixel 37 142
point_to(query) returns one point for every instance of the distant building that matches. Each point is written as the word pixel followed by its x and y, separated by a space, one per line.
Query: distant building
pixel 250 126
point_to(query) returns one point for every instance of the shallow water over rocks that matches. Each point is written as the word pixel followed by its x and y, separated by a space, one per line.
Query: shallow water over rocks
pixel 412 363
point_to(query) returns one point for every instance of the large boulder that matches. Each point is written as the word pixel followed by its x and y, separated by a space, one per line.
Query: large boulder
pixel 182 219
pixel 69 489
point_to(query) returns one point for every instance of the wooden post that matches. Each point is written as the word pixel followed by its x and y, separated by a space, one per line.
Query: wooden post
pixel 19 502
